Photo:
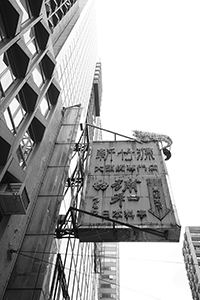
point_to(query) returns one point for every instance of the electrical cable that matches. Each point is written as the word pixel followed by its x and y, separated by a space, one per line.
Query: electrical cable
pixel 111 257
pixel 84 274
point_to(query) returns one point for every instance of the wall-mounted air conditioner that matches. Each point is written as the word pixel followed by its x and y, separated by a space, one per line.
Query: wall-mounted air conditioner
pixel 14 198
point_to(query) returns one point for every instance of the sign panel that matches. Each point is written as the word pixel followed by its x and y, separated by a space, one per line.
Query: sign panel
pixel 127 184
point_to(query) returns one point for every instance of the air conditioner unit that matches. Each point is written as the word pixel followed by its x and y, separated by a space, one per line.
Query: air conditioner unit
pixel 14 198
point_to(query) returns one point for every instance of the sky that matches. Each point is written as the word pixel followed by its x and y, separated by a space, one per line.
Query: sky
pixel 150 54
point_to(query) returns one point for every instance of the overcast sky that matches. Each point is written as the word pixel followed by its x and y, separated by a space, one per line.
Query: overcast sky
pixel 150 54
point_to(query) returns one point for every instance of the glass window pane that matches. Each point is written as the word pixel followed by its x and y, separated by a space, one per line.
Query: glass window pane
pixel 6 80
pixel 2 29
pixel 18 118
pixel 7 119
pixel 27 36
pixel 14 115
pixel 14 106
pixel 31 47
pixel 37 77
pixel 29 41
pixel 24 10
pixel 25 148
pixel 2 64
pixel 44 107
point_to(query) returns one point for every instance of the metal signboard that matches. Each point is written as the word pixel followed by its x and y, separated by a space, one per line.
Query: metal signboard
pixel 127 196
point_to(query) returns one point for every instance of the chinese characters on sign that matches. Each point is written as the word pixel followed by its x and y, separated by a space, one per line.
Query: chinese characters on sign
pixel 127 183
pixel 144 153
pixel 105 157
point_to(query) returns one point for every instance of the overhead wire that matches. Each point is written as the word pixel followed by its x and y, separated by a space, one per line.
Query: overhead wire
pixel 111 257
pixel 105 256
pixel 84 274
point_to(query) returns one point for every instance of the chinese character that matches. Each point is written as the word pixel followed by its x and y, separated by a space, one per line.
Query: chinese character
pixel 126 155
pixel 120 168
pixel 141 167
pixel 141 214
pixel 149 154
pixel 130 168
pixel 109 168
pixel 117 214
pixel 130 185
pixel 157 197
pixel 129 155
pixel 158 204
pixel 94 212
pixel 156 193
pixel 117 184
pixel 128 214
pixel 106 214
pixel 111 151
pixel 104 153
pixel 95 200
pixel 101 154
pixel 118 197
pixel 153 168
pixel 100 185
pixel 145 153
pixel 101 169
pixel 140 153
pixel 95 206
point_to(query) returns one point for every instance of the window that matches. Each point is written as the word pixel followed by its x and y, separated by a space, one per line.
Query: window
pixel 105 276
pixel 6 79
pixel 14 115
pixel 107 268
pixel 25 148
pixel 106 285
pixel 106 295
pixel 45 107
pixel 110 259
pixel 6 75
pixel 2 29
pixel 29 39
pixel 37 77
pixel 24 9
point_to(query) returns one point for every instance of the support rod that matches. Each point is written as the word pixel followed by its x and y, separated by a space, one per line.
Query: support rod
pixel 147 230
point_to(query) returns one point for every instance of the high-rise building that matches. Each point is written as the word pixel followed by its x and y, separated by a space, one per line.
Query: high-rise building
pixel 191 253
pixel 50 86
pixel 109 275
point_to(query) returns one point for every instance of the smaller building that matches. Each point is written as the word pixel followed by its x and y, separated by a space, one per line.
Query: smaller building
pixel 109 276
pixel 191 253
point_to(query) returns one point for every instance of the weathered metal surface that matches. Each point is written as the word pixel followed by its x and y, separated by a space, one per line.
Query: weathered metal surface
pixel 127 183
pixel 33 256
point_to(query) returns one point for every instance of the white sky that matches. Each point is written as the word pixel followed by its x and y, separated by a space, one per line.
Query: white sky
pixel 150 54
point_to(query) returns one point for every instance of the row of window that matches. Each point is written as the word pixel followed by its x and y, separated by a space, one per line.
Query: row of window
pixel 24 8
pixel 17 110
pixel 25 17
pixel 108 295
pixel 56 10
pixel 13 117
pixel 77 279
pixel 6 75
pixel 108 276
pixel 72 70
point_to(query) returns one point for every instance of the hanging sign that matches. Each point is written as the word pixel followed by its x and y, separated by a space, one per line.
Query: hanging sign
pixel 127 184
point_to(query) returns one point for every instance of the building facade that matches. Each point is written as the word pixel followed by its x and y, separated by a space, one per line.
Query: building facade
pixel 109 286
pixel 191 253
pixel 49 88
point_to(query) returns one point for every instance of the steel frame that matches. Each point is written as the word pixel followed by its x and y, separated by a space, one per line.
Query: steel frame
pixel 76 184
